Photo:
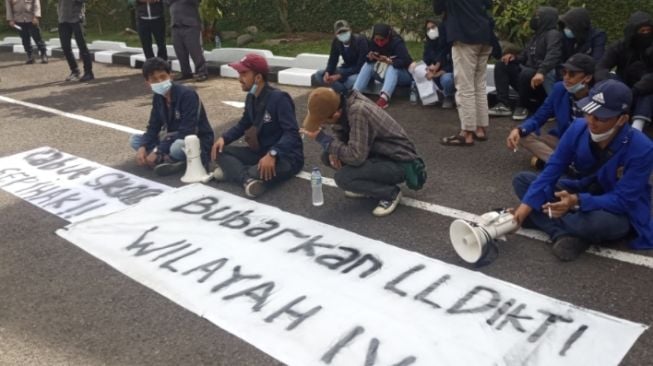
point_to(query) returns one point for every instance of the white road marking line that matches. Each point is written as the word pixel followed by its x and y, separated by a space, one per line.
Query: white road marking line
pixel 239 105
pixel 627 257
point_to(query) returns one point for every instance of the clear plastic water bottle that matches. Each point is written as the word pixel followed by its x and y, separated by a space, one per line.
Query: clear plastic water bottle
pixel 413 93
pixel 218 42
pixel 316 187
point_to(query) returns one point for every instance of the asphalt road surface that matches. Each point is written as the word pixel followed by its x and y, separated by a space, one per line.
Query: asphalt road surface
pixel 61 306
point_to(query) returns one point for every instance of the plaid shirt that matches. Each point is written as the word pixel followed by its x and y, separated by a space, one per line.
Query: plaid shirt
pixel 372 132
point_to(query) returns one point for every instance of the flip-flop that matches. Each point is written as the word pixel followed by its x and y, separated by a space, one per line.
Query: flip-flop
pixel 455 140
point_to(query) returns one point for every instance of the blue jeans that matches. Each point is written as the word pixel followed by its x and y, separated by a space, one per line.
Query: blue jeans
pixel 341 86
pixel 447 84
pixel 393 77
pixel 591 226
pixel 643 108
pixel 176 149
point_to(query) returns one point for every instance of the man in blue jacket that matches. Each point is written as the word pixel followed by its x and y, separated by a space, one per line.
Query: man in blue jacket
pixel 177 112
pixel 612 193
pixel 353 50
pixel 275 150
pixel 578 74
pixel 388 61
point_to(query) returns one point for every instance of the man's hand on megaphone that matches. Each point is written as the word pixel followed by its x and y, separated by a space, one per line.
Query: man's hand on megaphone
pixel 521 213
pixel 217 148
pixel 566 202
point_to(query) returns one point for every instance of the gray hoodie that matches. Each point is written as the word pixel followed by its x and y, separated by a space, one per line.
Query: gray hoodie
pixel 70 11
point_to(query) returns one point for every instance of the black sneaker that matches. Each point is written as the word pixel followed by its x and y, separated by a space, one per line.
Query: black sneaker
pixel 500 110
pixel 88 76
pixel 165 169
pixel 30 60
pixel 180 77
pixel 254 188
pixel 201 78
pixel 44 57
pixel 520 114
pixel 386 207
pixel 74 76
pixel 568 248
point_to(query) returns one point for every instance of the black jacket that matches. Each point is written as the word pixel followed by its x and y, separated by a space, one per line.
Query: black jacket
pixel 544 51
pixel 633 63
pixel 467 21
pixel 145 10
pixel 438 50
pixel 353 59
pixel 587 39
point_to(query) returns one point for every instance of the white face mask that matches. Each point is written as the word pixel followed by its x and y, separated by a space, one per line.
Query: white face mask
pixel 433 33
pixel 162 87
pixel 575 88
pixel 598 137
pixel 344 37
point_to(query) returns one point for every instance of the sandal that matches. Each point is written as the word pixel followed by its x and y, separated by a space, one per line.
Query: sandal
pixel 455 140
pixel 480 138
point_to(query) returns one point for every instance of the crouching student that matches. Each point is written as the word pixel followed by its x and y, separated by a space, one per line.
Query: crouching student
pixel 611 194
pixel 177 112
pixel 371 152
pixel 275 150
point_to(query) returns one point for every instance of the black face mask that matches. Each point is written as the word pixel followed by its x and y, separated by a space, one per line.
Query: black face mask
pixel 534 22
pixel 643 41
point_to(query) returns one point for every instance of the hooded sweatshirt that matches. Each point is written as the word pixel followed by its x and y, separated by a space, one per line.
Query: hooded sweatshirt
pixel 395 48
pixel 586 39
pixel 438 50
pixel 544 51
pixel 632 56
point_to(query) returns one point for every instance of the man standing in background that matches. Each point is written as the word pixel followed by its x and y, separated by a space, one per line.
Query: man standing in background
pixel 151 22
pixel 24 15
pixel 187 37
pixel 70 14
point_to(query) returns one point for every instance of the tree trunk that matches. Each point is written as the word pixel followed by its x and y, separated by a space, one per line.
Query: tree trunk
pixel 282 6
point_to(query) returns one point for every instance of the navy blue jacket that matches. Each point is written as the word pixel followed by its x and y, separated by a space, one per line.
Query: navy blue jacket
pixel 186 116
pixel 624 178
pixel 438 50
pixel 466 21
pixel 396 48
pixel 273 115
pixel 353 58
pixel 559 105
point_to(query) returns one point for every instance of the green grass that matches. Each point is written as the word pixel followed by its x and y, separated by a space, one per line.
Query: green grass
pixel 316 43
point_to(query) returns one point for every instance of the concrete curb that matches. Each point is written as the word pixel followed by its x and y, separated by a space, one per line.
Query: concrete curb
pixel 296 71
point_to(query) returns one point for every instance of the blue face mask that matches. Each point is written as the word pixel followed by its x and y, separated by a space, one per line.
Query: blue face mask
pixel 575 88
pixel 568 33
pixel 344 37
pixel 162 87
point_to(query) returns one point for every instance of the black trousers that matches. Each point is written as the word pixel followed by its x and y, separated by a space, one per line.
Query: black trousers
pixel 187 41
pixel 28 32
pixel 240 163
pixel 157 28
pixel 519 77
pixel 66 32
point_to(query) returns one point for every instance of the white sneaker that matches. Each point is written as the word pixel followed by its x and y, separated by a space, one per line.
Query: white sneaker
pixel 218 175
pixel 350 194
pixel 385 208
pixel 254 188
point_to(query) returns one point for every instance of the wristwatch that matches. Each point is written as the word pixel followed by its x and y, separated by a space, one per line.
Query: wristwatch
pixel 273 153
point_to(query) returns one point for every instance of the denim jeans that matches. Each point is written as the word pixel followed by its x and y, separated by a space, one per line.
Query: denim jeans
pixel 341 86
pixel 447 84
pixel 240 163
pixel 592 226
pixel 376 177
pixel 392 78
pixel 176 149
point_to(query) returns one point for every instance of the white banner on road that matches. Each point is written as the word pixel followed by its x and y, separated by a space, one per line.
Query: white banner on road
pixel 71 187
pixel 312 294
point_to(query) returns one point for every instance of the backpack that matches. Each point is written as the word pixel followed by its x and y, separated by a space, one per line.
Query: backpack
pixel 415 173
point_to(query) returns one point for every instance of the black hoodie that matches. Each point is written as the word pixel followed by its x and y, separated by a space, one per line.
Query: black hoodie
pixel 544 51
pixel 634 64
pixel 395 48
pixel 438 50
pixel 586 39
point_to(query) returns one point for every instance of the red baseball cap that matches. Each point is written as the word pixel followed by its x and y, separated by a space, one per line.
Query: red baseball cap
pixel 253 62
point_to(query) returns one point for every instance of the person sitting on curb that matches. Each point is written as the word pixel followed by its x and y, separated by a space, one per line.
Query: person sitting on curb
pixel 275 152
pixel 370 149
pixel 177 112
pixel 388 61
pixel 632 60
pixel 611 193
pixel 577 74
pixel 526 72
pixel 353 50
pixel 437 57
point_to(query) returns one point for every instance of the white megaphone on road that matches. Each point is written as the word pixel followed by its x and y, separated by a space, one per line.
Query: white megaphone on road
pixel 472 241
pixel 195 171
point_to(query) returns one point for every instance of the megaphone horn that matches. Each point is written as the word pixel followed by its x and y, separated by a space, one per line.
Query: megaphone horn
pixel 472 241
pixel 195 171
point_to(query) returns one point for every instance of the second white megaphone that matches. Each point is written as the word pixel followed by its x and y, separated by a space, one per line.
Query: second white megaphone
pixel 470 240
pixel 195 171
